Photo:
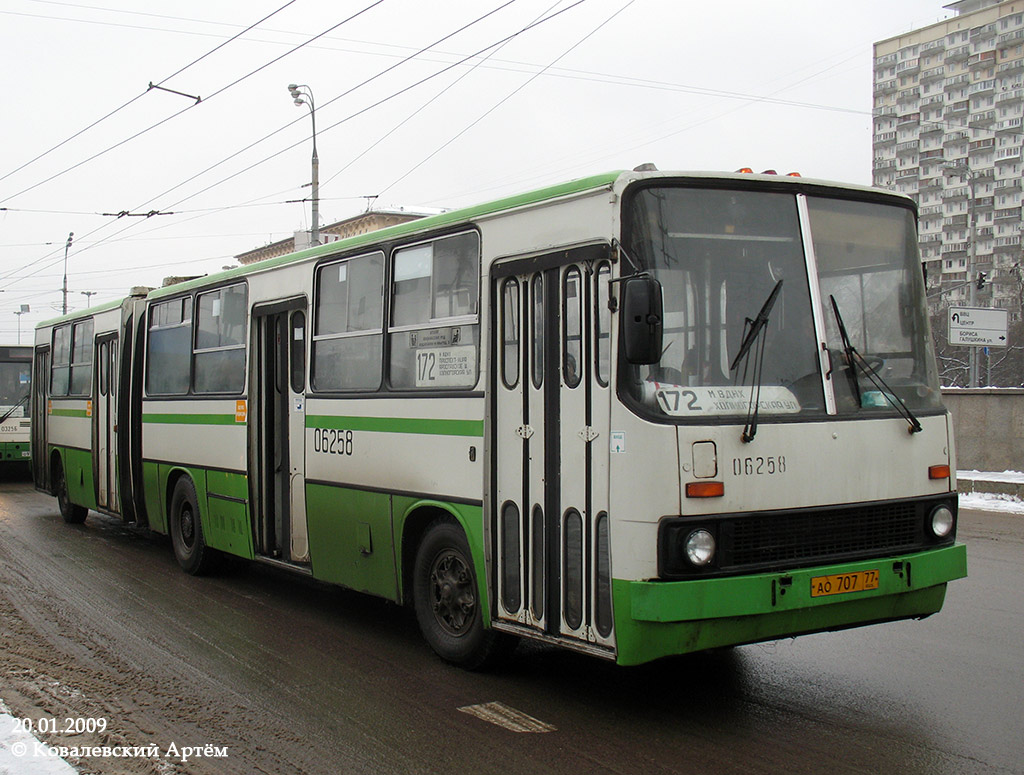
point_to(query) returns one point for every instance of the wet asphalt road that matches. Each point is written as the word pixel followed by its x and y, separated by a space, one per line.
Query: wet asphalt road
pixel 291 676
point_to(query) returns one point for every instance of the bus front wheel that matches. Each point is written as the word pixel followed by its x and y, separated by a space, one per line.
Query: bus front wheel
pixel 447 601
pixel 190 549
pixel 72 513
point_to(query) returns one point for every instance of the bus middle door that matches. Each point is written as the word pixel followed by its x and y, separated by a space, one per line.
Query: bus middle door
pixel 278 419
pixel 549 512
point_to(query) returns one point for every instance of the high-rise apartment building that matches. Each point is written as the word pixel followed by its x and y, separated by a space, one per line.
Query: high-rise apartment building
pixel 948 104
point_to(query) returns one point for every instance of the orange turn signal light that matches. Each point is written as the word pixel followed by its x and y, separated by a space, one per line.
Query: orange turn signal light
pixel 938 472
pixel 705 489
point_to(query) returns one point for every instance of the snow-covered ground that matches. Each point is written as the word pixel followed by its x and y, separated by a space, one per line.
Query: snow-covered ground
pixel 992 501
pixel 986 501
pixel 22 754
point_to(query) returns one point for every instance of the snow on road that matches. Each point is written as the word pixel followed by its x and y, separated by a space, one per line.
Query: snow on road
pixel 22 754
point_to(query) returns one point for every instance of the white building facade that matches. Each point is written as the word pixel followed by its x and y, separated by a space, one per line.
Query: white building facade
pixel 948 109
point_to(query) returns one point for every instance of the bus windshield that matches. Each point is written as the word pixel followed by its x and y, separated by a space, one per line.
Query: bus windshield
pixel 723 256
pixel 14 386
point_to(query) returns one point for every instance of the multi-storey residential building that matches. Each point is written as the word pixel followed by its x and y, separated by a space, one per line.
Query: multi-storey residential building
pixel 349 227
pixel 948 104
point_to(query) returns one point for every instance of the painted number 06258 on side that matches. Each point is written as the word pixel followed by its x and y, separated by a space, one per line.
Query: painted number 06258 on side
pixel 759 466
pixel 332 442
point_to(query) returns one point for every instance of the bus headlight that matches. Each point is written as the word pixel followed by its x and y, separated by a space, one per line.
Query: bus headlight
pixel 941 522
pixel 700 547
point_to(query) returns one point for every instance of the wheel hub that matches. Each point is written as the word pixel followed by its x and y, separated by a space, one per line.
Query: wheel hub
pixel 454 599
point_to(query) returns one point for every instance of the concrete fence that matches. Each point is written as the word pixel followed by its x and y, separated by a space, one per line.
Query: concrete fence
pixel 988 424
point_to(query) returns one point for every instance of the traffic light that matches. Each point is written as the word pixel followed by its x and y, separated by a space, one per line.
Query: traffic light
pixel 981 280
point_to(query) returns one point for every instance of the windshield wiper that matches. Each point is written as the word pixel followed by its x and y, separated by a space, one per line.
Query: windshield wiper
pixel 756 325
pixel 24 400
pixel 754 330
pixel 855 359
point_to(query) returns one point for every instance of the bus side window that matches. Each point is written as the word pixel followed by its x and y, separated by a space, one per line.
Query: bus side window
pixel 298 348
pixel 60 368
pixel 169 349
pixel 510 333
pixel 434 331
pixel 603 316
pixel 81 358
pixel 348 319
pixel 219 355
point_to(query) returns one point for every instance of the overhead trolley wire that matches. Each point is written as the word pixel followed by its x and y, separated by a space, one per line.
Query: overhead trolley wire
pixel 207 99
pixel 140 96
pixel 219 91
pixel 464 27
pixel 481 51
pixel 368 108
pixel 507 97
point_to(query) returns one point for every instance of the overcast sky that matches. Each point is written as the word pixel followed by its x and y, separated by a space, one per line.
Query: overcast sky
pixel 605 84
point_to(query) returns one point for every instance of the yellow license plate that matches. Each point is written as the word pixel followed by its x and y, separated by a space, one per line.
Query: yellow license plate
pixel 842 583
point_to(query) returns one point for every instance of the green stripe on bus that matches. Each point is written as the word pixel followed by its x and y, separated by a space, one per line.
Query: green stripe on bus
pixel 419 425
pixel 191 419
pixel 68 413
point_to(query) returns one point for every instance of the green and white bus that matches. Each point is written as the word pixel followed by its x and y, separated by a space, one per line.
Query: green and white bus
pixel 636 415
pixel 15 384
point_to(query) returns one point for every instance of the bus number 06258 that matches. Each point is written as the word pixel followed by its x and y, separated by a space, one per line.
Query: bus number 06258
pixel 332 442
pixel 759 466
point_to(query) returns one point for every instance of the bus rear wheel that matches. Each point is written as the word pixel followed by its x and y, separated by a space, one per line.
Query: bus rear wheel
pixel 72 513
pixel 447 601
pixel 190 549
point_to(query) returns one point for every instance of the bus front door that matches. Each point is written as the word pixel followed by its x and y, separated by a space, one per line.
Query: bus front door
pixel 550 436
pixel 277 431
pixel 105 424
pixel 40 394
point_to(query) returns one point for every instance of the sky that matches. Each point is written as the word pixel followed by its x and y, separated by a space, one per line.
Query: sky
pixel 418 106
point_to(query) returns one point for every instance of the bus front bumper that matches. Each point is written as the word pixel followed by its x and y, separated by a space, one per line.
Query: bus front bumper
pixel 11 451
pixel 657 619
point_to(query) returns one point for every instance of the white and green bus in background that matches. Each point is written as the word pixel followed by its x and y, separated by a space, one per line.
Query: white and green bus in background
pixel 635 415
pixel 15 384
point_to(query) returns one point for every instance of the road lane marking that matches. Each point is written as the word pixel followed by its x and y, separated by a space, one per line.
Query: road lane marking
pixel 501 714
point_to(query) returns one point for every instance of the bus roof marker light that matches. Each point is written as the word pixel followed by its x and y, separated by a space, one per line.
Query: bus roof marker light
pixel 705 489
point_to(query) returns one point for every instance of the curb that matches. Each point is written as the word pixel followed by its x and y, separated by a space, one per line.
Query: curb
pixel 985 486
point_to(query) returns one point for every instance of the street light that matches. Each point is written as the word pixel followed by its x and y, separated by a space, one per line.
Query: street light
pixel 88 297
pixel 303 95
pixel 67 247
pixel 24 309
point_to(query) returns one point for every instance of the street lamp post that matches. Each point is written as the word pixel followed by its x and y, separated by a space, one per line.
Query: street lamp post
pixel 24 309
pixel 88 297
pixel 303 95
pixel 67 247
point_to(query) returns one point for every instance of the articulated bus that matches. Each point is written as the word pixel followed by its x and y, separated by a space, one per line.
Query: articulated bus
pixel 636 415
pixel 15 424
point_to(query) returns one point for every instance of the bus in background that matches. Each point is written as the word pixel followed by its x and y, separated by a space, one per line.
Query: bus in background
pixel 15 386
pixel 634 415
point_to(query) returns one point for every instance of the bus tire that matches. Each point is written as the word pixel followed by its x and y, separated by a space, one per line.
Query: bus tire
pixel 190 549
pixel 72 513
pixel 447 601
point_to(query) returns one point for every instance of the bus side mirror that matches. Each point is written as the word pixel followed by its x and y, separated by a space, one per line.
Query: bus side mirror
pixel 641 320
